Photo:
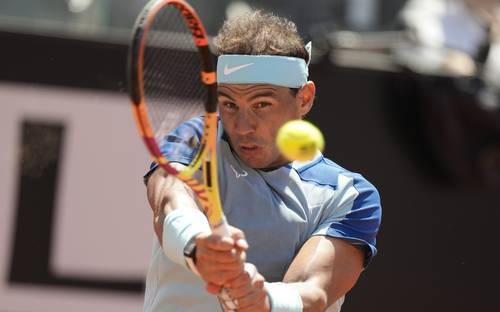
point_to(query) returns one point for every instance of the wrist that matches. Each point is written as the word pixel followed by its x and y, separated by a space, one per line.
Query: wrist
pixel 190 255
pixel 180 228
pixel 283 297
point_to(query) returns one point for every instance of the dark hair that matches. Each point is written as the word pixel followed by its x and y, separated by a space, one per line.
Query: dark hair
pixel 260 33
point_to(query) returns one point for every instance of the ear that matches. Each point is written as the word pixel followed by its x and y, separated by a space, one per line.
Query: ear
pixel 306 98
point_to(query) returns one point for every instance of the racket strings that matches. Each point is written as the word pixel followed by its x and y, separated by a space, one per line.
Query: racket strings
pixel 172 86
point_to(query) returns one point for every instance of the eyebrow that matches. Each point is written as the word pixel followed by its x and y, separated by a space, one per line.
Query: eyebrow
pixel 222 93
pixel 263 93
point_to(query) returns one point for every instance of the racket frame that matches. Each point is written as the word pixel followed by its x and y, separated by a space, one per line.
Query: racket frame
pixel 207 191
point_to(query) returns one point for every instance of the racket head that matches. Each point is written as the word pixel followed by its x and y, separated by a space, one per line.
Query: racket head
pixel 172 79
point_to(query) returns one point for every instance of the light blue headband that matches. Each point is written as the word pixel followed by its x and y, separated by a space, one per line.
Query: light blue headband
pixel 277 70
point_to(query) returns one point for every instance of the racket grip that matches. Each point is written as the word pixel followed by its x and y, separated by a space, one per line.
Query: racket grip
pixel 227 300
pixel 221 229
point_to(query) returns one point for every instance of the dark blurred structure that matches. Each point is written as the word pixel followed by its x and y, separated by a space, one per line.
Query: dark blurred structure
pixel 452 49
pixel 407 131
pixel 444 105
pixel 112 19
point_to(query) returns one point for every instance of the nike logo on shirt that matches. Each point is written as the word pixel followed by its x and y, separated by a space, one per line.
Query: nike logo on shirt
pixel 230 70
pixel 238 174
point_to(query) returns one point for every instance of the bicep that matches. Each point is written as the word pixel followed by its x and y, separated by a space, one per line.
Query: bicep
pixel 325 267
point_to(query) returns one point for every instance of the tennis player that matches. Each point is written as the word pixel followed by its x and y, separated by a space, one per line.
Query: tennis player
pixel 302 232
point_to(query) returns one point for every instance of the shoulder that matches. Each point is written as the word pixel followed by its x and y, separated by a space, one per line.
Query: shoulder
pixel 353 209
pixel 181 144
pixel 353 196
pixel 188 133
pixel 191 127
pixel 324 172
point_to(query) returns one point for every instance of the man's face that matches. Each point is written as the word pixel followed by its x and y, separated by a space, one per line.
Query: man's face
pixel 253 113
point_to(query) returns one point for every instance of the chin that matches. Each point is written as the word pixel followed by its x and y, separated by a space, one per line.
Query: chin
pixel 253 163
pixel 262 164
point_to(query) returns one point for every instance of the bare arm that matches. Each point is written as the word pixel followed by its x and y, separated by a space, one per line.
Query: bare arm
pixel 165 194
pixel 324 270
pixel 220 258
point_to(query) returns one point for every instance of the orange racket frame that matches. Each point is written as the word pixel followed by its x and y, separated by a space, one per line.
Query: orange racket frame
pixel 206 191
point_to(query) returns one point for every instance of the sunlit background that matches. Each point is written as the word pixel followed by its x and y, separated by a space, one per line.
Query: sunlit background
pixel 407 96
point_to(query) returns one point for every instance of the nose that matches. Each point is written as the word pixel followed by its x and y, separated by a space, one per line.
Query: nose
pixel 245 123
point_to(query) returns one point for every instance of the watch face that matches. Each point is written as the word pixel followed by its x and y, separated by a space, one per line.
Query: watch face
pixel 190 249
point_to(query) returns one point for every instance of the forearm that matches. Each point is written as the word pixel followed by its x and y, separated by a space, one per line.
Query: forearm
pixel 319 292
pixel 178 220
pixel 165 194
pixel 324 271
pixel 296 296
pixel 314 298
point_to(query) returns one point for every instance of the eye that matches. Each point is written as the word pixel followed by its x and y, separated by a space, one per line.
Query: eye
pixel 229 105
pixel 263 104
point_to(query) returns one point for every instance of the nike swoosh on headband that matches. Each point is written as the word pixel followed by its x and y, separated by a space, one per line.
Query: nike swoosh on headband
pixel 230 70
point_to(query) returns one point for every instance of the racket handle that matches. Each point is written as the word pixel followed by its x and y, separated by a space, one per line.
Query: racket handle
pixel 227 300
pixel 221 229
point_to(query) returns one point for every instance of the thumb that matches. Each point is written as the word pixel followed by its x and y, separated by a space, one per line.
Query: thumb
pixel 239 237
pixel 213 288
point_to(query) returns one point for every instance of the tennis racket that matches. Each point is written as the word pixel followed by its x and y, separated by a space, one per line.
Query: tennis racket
pixel 172 78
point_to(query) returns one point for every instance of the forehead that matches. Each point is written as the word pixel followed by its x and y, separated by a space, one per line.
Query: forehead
pixel 250 89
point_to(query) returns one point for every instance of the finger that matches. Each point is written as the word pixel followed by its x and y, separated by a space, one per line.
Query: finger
pixel 248 274
pixel 214 241
pixel 220 277
pixel 222 257
pixel 242 280
pixel 239 237
pixel 257 284
pixel 219 273
pixel 241 243
pixel 228 305
pixel 215 268
pixel 240 292
pixel 213 288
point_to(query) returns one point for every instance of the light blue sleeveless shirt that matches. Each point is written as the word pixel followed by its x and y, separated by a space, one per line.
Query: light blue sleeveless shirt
pixel 278 211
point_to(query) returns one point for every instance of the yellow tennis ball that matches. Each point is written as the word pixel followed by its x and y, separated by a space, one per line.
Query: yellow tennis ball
pixel 299 140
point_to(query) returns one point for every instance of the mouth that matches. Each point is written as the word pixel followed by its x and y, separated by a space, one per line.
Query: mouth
pixel 248 148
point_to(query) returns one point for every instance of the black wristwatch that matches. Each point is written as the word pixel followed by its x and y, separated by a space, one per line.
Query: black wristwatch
pixel 190 250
